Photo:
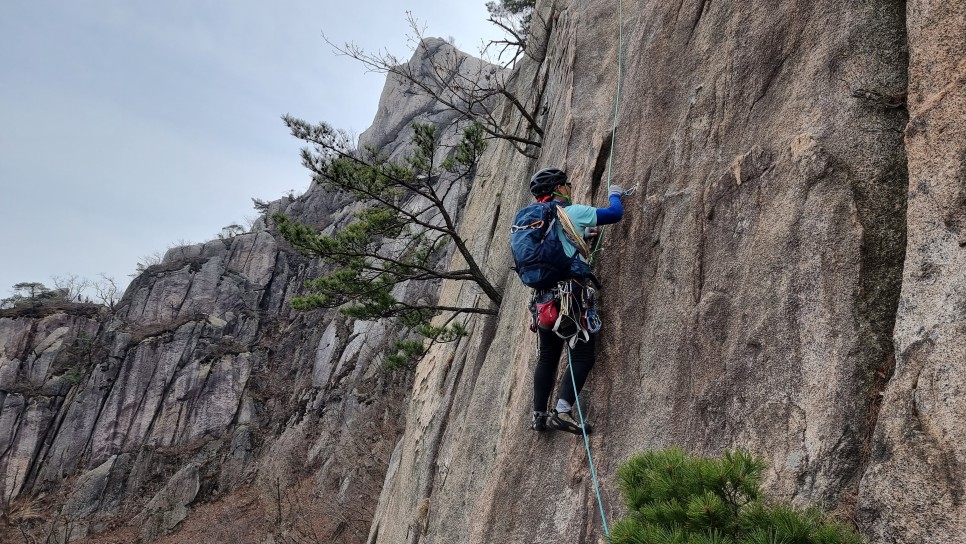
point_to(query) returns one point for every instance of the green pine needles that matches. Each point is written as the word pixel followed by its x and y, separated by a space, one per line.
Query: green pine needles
pixel 403 233
pixel 675 498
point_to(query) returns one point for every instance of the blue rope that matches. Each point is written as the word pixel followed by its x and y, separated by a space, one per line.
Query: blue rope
pixel 590 458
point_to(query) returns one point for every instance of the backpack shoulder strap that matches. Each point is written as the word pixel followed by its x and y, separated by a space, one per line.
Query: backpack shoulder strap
pixel 571 232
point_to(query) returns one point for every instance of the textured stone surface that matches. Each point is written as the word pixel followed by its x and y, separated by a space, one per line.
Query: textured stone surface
pixel 170 506
pixel 749 293
pixel 914 488
pixel 40 359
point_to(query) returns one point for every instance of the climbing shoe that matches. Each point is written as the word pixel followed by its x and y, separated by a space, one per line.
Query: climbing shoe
pixel 539 422
pixel 564 421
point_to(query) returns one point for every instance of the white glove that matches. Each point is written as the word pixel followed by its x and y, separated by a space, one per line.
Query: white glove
pixel 616 190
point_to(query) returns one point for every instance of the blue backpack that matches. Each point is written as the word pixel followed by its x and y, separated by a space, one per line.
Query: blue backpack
pixel 538 253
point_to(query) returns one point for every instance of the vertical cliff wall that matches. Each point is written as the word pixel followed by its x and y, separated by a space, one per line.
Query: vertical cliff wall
pixel 914 489
pixel 750 292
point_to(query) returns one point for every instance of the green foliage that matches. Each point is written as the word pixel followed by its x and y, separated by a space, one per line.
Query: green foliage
pixel 407 352
pixel 83 348
pixel 514 17
pixel 521 8
pixel 79 357
pixel 73 376
pixel 400 235
pixel 680 499
pixel 519 13
pixel 31 294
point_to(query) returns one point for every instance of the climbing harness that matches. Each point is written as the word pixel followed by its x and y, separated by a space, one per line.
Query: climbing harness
pixel 569 310
pixel 578 317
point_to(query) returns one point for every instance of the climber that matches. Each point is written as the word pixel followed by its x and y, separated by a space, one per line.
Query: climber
pixel 574 296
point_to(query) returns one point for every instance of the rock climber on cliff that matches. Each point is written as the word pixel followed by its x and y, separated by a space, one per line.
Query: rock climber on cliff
pixel 551 241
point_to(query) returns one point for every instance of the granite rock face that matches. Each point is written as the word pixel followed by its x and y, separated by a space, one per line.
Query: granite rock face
pixel 914 488
pixel 37 375
pixel 750 292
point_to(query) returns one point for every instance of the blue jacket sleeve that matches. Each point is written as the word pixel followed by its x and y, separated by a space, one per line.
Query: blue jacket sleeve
pixel 611 214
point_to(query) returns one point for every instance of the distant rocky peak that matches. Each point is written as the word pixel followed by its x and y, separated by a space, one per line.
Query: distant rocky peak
pixel 438 67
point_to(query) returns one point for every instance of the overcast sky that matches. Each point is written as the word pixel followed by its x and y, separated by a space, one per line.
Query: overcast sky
pixel 128 126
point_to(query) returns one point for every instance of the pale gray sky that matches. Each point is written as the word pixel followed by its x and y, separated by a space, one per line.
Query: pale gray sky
pixel 127 126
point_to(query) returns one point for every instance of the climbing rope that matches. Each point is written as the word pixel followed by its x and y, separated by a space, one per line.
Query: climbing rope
pixel 593 255
pixel 613 131
pixel 590 457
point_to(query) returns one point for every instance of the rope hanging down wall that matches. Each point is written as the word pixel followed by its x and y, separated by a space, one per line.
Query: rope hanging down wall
pixel 597 246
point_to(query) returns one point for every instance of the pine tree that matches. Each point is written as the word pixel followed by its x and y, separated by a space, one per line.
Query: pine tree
pixel 514 17
pixel 31 293
pixel 402 233
pixel 674 498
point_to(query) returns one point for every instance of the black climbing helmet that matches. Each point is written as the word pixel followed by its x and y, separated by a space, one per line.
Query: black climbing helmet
pixel 546 180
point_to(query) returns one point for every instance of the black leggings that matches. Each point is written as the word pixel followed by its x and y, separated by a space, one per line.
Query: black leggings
pixel 551 346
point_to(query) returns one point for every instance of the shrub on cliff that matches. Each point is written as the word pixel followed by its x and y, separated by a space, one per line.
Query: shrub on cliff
pixel 32 294
pixel 674 498
pixel 514 17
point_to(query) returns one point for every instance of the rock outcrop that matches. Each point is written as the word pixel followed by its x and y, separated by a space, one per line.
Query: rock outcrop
pixel 750 292
pixel 914 488
pixel 206 387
